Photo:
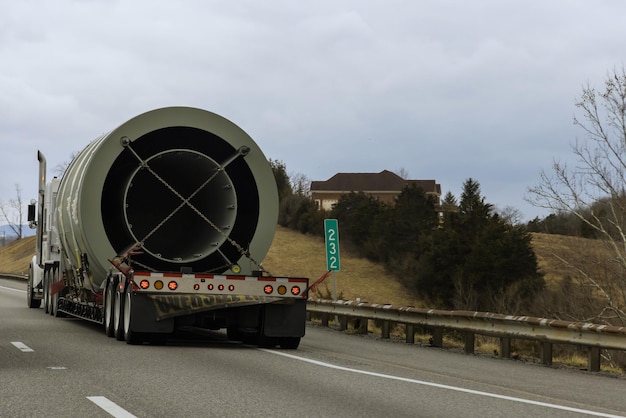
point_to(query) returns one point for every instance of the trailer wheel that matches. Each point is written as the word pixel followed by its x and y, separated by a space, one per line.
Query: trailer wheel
pixel 289 343
pixel 118 311
pixel 267 342
pixel 233 333
pixel 158 338
pixel 30 292
pixel 130 336
pixel 109 316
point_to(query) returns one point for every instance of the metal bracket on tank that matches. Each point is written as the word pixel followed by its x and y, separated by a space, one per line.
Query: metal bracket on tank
pixel 241 152
pixel 122 262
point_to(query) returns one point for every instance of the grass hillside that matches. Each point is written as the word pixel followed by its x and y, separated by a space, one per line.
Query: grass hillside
pixel 294 254
pixel 15 257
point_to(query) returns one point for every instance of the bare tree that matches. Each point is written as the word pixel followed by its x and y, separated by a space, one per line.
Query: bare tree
pixel 12 212
pixel 510 215
pixel 402 172
pixel 300 184
pixel 593 190
pixel 60 168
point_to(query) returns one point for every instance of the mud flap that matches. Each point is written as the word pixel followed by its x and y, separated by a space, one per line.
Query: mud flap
pixel 144 317
pixel 285 320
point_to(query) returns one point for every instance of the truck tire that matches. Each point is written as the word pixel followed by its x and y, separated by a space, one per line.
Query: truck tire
pixel 130 336
pixel 30 292
pixel 267 342
pixel 289 343
pixel 109 316
pixel 118 312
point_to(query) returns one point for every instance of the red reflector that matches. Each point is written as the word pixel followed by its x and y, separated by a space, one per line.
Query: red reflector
pixel 231 287
pixel 196 286
pixel 220 287
pixel 210 286
pixel 172 285
pixel 268 289
pixel 295 290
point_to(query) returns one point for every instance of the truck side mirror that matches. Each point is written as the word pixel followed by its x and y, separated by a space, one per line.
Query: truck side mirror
pixel 31 212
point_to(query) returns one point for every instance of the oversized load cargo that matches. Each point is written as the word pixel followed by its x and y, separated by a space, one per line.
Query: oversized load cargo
pixel 177 193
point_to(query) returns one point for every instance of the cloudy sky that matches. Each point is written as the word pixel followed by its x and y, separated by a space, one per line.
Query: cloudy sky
pixel 443 90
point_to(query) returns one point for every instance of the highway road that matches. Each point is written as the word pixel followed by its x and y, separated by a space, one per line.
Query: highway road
pixel 53 367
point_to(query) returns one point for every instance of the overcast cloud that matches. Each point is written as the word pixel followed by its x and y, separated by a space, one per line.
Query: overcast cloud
pixel 444 90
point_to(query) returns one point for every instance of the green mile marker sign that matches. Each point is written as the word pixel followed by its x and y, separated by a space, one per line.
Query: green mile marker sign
pixel 331 233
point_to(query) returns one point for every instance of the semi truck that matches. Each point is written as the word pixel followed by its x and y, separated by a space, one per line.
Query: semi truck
pixel 161 225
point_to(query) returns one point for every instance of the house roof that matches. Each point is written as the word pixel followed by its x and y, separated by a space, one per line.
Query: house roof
pixel 385 181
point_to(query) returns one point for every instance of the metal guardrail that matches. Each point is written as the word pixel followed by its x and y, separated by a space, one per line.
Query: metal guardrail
pixel 506 327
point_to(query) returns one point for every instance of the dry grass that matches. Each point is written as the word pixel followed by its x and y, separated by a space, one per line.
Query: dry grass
pixel 551 250
pixel 294 254
pixel 15 257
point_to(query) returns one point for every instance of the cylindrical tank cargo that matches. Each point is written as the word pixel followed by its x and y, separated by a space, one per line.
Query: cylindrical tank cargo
pixel 188 185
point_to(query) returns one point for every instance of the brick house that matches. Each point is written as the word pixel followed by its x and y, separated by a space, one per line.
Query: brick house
pixel 385 186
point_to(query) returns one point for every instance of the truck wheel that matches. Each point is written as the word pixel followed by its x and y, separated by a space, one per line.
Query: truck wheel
pixel 130 336
pixel 108 309
pixel 233 334
pixel 267 342
pixel 30 292
pixel 158 338
pixel 118 311
pixel 289 343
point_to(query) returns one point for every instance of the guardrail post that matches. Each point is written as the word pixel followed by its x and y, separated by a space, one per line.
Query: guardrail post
pixel 343 323
pixel 546 353
pixel 594 359
pixel 437 338
pixel 308 316
pixel 324 320
pixel 469 342
pixel 410 333
pixel 362 325
pixel 505 347
pixel 385 330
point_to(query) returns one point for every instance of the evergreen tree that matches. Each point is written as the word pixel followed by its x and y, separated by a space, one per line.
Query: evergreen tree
pixel 356 213
pixel 282 179
pixel 413 215
pixel 477 261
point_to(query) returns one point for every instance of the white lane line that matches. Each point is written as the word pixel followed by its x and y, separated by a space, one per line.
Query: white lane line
pixel 10 288
pixel 438 385
pixel 110 407
pixel 22 347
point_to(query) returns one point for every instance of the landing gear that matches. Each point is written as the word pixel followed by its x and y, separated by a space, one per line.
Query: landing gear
pixel 32 301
